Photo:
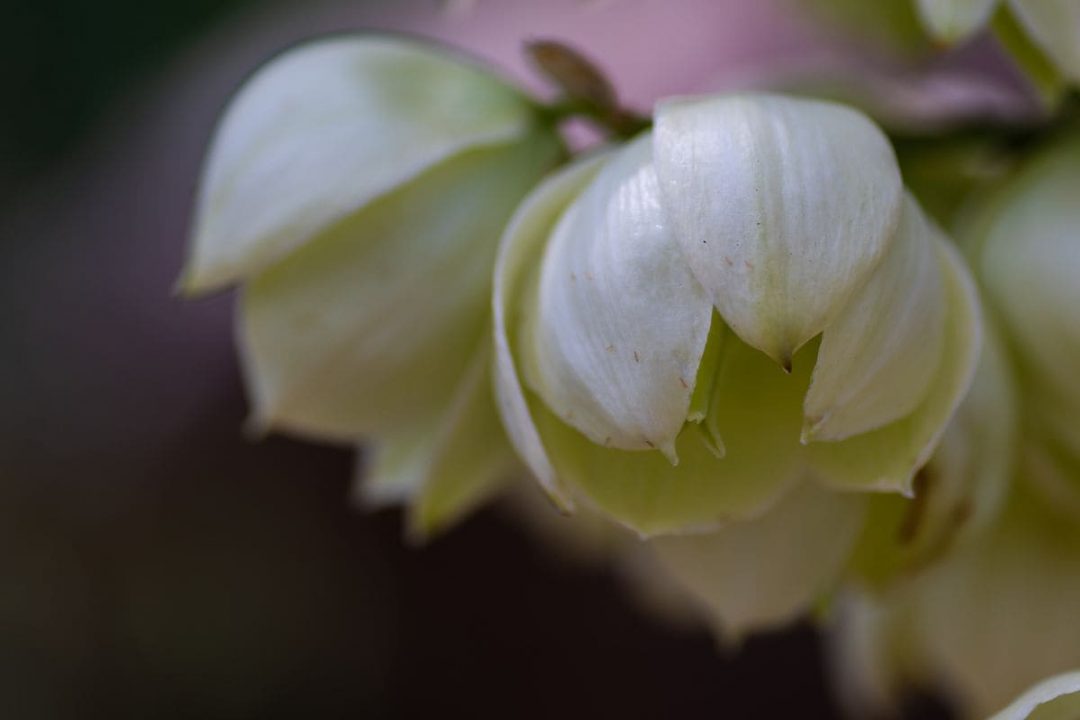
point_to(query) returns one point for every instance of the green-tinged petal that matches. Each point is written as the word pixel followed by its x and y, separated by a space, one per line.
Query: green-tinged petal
pixel 471 458
pixel 520 251
pixel 756 410
pixel 444 467
pixel 960 492
pixel 1028 265
pixel 879 357
pixel 951 21
pixel 1054 25
pixel 324 129
pixel 765 572
pixel 782 206
pixel 1057 698
pixel 390 470
pixel 887 459
pixel 368 328
pixel 618 325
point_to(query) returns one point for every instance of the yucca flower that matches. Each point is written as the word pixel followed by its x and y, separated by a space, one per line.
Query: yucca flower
pixel 356 188
pixel 690 325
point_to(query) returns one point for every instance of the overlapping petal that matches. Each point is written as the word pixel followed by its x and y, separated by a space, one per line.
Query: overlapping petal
pixel 879 357
pixel 520 251
pixel 783 207
pixel 370 327
pixel 618 324
pixel 325 129
pixel 888 458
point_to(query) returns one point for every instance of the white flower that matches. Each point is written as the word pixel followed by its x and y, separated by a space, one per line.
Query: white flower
pixel 640 295
pixel 357 187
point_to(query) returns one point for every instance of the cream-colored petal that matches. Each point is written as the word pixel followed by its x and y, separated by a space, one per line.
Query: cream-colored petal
pixel 766 572
pixel 1054 25
pixel 520 251
pixel 471 459
pixel 879 357
pixel 445 466
pixel 324 129
pixel 619 323
pixel 951 21
pixel 782 206
pixel 756 410
pixel 1057 698
pixel 368 328
pixel 390 471
pixel 887 459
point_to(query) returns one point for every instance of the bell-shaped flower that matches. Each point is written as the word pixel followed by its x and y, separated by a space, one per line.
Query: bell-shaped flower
pixel 687 326
pixel 356 187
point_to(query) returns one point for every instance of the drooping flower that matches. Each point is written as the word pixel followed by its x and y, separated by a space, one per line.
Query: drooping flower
pixel 688 326
pixel 356 188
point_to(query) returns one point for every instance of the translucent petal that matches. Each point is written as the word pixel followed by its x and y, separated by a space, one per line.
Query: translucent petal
pixel 471 459
pixel 368 328
pixel 520 251
pixel 619 323
pixel 1057 698
pixel 886 459
pixel 878 358
pixel 756 409
pixel 1054 25
pixel 324 129
pixel 951 21
pixel 766 572
pixel 446 465
pixel 390 470
pixel 782 206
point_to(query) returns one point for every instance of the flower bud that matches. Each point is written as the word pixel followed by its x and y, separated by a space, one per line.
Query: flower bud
pixel 357 187
pixel 640 295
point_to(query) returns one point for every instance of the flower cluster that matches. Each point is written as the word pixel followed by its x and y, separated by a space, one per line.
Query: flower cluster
pixel 730 341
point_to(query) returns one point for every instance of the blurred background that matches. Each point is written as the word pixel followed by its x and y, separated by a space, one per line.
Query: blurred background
pixel 154 562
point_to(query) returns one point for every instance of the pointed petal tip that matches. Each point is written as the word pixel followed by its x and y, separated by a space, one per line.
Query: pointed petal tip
pixel 711 438
pixel 667 449
pixel 810 428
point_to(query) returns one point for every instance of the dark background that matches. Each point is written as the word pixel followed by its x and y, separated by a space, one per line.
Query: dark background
pixel 153 563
